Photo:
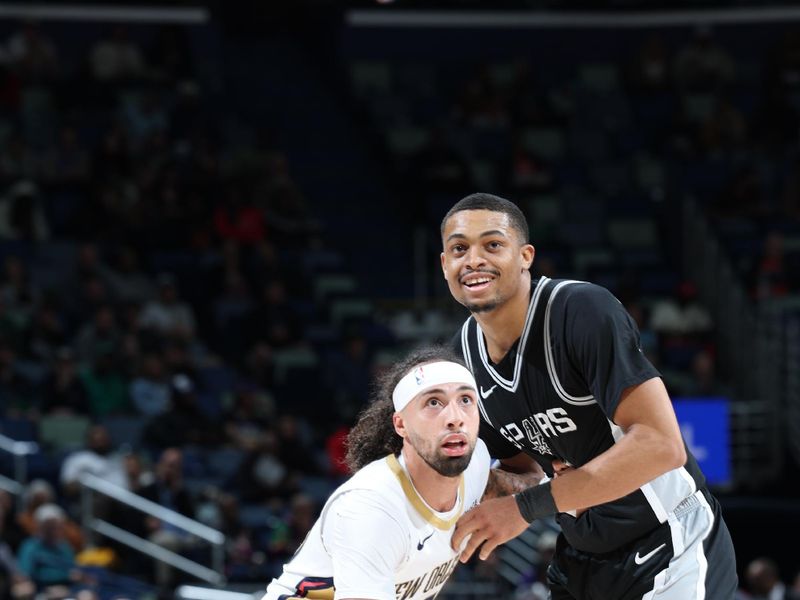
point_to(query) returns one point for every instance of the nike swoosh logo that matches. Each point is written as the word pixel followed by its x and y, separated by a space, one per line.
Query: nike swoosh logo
pixel 487 393
pixel 422 543
pixel 643 559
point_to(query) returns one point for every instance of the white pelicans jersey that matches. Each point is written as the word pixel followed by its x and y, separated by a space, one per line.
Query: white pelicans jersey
pixel 377 538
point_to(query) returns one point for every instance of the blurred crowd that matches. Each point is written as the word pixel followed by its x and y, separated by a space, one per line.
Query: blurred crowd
pixel 163 325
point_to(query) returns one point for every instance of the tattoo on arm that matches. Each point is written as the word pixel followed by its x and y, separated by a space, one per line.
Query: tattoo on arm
pixel 503 483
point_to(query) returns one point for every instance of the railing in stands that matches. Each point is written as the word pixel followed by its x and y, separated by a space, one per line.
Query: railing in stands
pixel 20 451
pixel 91 484
pixel 748 341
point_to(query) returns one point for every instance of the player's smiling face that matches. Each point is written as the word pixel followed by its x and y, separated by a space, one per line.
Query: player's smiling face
pixel 482 259
pixel 441 425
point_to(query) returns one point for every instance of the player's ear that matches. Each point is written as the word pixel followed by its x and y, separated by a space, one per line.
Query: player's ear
pixel 528 252
pixel 399 425
pixel 444 268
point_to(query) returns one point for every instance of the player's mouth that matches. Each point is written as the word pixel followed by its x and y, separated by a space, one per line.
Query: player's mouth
pixel 476 282
pixel 455 444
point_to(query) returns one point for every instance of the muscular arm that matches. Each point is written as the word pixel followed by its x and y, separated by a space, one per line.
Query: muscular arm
pixel 651 446
pixel 514 475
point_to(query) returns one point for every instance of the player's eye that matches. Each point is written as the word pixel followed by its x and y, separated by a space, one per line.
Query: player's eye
pixel 466 399
pixel 433 402
pixel 459 248
pixel 495 245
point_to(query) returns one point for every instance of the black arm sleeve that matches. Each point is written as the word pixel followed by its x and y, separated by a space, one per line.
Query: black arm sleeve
pixel 602 345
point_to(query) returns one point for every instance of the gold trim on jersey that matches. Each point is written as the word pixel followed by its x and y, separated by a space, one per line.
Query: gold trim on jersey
pixel 418 503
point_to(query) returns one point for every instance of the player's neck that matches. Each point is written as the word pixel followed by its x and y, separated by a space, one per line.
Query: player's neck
pixel 503 325
pixel 438 491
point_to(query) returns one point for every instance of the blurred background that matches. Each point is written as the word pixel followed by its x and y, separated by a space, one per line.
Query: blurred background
pixel 218 222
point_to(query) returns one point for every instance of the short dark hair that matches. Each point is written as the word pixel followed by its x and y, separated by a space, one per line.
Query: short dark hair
pixel 484 201
pixel 373 436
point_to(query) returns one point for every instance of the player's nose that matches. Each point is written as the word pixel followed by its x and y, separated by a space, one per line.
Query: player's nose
pixel 454 414
pixel 475 257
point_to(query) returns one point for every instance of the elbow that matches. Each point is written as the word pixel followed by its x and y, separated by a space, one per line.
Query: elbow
pixel 674 454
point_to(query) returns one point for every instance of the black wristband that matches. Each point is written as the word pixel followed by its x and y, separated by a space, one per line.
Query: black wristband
pixel 536 502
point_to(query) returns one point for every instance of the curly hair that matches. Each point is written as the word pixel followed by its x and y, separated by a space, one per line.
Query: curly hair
pixel 373 436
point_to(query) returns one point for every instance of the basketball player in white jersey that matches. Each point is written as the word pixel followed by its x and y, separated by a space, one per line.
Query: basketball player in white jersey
pixel 385 533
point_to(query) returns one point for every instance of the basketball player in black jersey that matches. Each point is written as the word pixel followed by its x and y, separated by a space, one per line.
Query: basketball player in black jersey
pixel 565 392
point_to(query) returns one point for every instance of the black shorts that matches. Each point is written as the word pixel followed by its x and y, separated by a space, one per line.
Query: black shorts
pixel 689 557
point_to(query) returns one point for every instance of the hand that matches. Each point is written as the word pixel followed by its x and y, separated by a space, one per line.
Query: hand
pixel 491 523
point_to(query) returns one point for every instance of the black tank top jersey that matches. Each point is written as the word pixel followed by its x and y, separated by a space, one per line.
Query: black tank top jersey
pixel 554 395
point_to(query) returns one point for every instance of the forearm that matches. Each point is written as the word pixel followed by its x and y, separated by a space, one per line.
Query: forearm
pixel 503 483
pixel 639 457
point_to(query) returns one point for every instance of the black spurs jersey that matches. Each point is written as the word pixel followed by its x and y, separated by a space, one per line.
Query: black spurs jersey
pixel 554 395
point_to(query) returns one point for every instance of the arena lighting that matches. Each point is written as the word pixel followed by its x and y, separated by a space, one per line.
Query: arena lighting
pixel 106 13
pixel 194 592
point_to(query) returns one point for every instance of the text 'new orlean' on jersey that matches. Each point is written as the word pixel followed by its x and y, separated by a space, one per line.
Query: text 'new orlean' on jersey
pixel 377 538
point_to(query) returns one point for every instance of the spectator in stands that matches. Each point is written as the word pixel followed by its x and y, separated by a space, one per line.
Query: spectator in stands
pixel 723 131
pixel 526 172
pixel 98 337
pixel 169 491
pixel 117 58
pixel 273 318
pixel 150 390
pixel 67 161
pixel 682 314
pixel 10 530
pixel 145 118
pixel 126 280
pixel 12 327
pixel 335 451
pixel 347 371
pixel 249 416
pixel 17 394
pixel 105 384
pixel 438 168
pixel 22 216
pixel 97 458
pixel 262 477
pixel 769 278
pixel 702 64
pixel 47 332
pixel 481 104
pixel 47 558
pixel 764 581
pixel 169 57
pixel 64 391
pixel 16 289
pixel 168 314
pixel 289 535
pixel 703 379
pixel 232 309
pixel 650 70
pixel 40 493
pixel 296 447
pixel 535 586
pixel 32 53
pixel 184 423
pixel 238 219
pixel 13 582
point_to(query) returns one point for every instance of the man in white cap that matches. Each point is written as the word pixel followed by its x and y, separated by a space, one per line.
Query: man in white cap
pixel 418 463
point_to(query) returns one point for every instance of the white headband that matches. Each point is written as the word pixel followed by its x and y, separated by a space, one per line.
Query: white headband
pixel 427 376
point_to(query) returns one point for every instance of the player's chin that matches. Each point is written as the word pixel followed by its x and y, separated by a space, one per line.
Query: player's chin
pixel 453 466
pixel 478 307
